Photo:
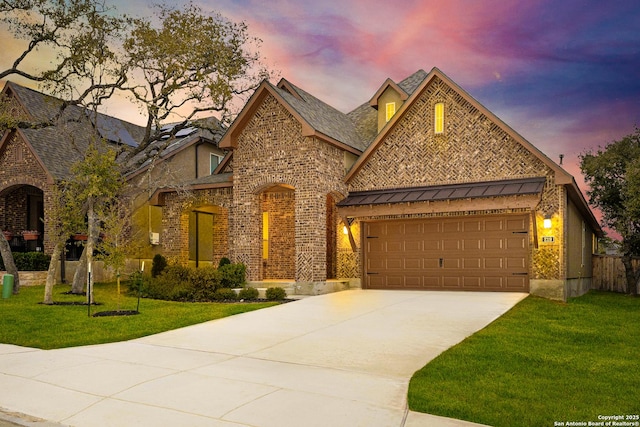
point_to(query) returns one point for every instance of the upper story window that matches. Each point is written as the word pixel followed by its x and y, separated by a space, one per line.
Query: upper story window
pixel 439 118
pixel 214 162
pixel 391 110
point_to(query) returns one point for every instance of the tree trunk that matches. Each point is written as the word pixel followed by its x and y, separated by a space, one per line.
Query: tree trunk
pixel 51 274
pixel 80 276
pixel 632 286
pixel 9 263
pixel 92 219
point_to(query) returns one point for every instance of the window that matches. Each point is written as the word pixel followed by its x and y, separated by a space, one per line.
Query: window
pixel 391 110
pixel 439 118
pixel 265 235
pixel 214 162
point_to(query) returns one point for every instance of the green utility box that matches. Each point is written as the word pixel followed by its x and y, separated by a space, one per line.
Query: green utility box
pixel 7 285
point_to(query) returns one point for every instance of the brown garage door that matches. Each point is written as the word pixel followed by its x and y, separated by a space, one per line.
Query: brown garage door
pixel 471 253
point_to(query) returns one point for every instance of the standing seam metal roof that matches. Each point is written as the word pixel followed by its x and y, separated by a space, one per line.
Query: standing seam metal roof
pixel 512 187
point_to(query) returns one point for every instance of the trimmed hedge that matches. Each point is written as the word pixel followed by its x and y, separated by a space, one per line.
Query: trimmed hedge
pixel 178 283
pixel 276 294
pixel 29 261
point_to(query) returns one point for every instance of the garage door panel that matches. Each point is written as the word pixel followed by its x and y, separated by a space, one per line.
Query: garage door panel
pixel 413 246
pixel 413 263
pixel 376 264
pixel 395 281
pixel 493 243
pixel 516 243
pixel 471 244
pixel 433 263
pixel 449 263
pixel 517 282
pixel 493 225
pixel 516 263
pixel 472 263
pixel 472 226
pixel 496 263
pixel 480 253
pixel 472 282
pixel 494 282
pixel 395 246
pixel 452 227
pixel 375 245
pixel 451 281
pixel 432 282
pixel 517 224
pixel 451 245
pixel 395 263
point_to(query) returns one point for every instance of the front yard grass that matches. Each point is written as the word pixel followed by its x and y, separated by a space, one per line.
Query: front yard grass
pixel 25 322
pixel 542 362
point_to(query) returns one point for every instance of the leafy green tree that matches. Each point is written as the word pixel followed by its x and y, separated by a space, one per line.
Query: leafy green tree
pixel 95 183
pixel 613 175
pixel 191 63
pixel 65 216
pixel 78 36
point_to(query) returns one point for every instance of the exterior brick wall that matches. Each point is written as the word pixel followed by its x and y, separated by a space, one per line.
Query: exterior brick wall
pixel 472 148
pixel 20 168
pixel 281 263
pixel 174 237
pixel 271 150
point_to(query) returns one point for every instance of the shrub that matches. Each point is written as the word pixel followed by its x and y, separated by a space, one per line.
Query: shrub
pixel 204 282
pixel 29 261
pixel 224 261
pixel 276 294
pixel 174 284
pixel 158 265
pixel 248 293
pixel 225 294
pixel 232 275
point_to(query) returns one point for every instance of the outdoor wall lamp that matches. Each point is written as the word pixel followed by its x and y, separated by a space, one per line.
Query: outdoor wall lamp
pixel 546 223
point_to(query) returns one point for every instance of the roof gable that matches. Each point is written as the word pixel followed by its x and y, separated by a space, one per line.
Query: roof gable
pixel 317 118
pixel 373 102
pixel 561 176
pixel 59 146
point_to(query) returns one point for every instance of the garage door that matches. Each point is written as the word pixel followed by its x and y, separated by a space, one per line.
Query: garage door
pixel 473 253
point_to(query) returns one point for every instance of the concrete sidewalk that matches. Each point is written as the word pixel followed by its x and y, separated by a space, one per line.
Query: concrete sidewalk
pixel 342 359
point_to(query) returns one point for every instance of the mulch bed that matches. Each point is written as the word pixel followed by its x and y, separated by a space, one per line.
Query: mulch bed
pixel 116 313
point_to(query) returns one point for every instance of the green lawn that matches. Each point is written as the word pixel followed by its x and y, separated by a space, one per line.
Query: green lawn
pixel 540 363
pixel 25 322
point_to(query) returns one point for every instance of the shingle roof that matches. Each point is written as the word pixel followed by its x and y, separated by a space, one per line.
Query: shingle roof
pixel 365 117
pixel 512 187
pixel 322 117
pixel 209 128
pixel 63 144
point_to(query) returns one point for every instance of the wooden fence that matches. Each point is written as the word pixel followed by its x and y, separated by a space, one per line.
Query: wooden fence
pixel 608 273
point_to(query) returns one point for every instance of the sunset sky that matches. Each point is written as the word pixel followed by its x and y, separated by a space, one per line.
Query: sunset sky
pixel 564 74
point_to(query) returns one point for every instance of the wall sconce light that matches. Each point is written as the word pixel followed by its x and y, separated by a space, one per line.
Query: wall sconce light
pixel 345 230
pixel 546 223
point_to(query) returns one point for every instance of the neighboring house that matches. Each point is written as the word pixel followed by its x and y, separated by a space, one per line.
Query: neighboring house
pixel 421 187
pixel 32 160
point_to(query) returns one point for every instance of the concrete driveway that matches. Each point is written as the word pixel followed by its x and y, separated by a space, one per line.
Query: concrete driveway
pixel 343 359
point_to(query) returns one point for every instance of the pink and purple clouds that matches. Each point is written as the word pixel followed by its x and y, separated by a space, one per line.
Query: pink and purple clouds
pixel 564 74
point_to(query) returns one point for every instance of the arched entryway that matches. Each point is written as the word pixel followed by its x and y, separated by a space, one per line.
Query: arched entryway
pixel 22 211
pixel 208 235
pixel 278 231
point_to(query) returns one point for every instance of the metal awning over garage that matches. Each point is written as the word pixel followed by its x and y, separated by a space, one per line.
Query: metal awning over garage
pixel 513 187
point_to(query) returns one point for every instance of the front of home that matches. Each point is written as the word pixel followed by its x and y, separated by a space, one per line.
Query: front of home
pixel 420 187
